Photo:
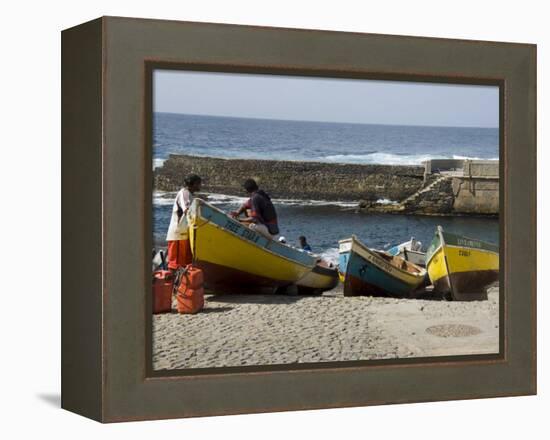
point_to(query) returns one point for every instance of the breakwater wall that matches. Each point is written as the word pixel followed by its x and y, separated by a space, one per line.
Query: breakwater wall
pixel 435 188
pixel 292 179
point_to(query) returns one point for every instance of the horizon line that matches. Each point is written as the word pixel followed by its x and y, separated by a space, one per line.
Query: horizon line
pixel 326 122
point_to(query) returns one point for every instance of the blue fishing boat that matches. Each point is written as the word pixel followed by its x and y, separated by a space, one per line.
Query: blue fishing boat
pixel 367 271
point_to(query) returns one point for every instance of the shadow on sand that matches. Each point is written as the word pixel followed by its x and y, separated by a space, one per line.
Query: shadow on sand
pixel 427 295
pixel 253 298
pixel 216 309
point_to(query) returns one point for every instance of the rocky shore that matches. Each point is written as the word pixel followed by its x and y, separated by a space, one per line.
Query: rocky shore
pixel 244 330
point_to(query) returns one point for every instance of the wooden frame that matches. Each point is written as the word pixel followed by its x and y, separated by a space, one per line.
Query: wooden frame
pixel 106 162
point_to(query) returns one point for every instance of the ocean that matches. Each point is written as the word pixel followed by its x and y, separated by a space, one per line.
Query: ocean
pixel 324 224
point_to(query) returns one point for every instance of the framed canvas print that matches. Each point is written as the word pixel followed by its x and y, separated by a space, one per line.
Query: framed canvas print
pixel 263 219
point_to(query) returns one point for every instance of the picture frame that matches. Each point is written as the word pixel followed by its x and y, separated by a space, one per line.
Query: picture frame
pixel 107 180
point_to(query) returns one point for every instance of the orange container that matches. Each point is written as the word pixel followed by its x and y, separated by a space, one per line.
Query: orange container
pixel 190 301
pixel 163 286
pixel 191 277
pixel 190 297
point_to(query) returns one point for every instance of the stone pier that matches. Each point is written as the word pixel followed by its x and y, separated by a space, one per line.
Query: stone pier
pixel 287 179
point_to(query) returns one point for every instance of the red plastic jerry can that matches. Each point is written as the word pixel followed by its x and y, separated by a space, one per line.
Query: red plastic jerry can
pixel 190 297
pixel 163 286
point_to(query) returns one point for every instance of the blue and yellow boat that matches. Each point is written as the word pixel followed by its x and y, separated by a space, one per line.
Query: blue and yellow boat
pixel 370 272
pixel 461 268
pixel 234 257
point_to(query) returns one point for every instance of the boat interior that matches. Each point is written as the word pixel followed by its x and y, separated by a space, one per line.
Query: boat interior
pixel 401 263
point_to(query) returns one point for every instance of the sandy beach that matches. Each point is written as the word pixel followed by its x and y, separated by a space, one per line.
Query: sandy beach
pixel 244 330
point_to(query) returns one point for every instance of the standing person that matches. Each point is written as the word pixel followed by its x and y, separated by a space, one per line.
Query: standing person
pixel 179 249
pixel 304 244
pixel 261 212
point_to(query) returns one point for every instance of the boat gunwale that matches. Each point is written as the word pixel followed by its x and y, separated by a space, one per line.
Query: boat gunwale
pixel 456 247
pixel 485 243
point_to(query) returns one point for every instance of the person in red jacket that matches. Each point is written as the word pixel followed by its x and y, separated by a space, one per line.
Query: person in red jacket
pixel 179 248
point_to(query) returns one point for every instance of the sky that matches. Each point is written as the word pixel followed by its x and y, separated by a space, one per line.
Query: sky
pixel 325 99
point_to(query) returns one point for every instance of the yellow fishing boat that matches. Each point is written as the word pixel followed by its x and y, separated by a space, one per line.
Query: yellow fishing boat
pixel 461 268
pixel 235 257
pixel 323 276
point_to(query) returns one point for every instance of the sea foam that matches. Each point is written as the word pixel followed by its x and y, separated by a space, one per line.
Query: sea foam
pixel 392 159
pixel 331 255
pixel 163 198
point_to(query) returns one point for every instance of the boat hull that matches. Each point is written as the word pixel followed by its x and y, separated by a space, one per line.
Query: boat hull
pixel 320 279
pixel 234 257
pixel 366 272
pixel 462 268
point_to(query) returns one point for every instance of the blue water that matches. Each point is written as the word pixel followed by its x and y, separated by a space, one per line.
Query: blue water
pixel 324 225
pixel 317 141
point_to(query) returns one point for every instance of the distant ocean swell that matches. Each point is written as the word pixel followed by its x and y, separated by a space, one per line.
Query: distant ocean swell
pixel 246 138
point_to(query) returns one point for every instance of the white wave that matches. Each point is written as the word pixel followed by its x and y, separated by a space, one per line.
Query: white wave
pixel 331 255
pixel 386 202
pixel 163 198
pixel 456 156
pixel 219 199
pixel 157 163
pixel 382 158
pixel 392 159
pixel 298 202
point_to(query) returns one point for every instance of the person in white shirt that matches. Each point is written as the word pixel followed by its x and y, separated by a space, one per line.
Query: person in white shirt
pixel 179 249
